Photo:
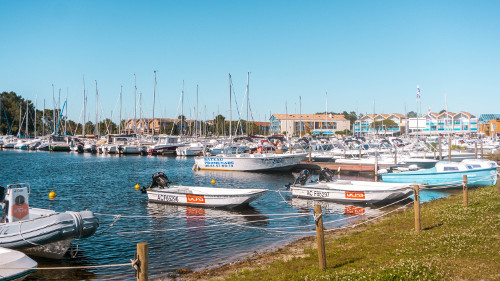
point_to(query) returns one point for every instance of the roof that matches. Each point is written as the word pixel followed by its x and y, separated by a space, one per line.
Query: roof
pixel 488 117
pixel 308 117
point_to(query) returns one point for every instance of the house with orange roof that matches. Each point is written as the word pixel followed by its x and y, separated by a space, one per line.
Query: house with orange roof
pixel 301 124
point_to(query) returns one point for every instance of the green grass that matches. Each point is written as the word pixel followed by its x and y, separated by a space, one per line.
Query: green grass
pixel 456 243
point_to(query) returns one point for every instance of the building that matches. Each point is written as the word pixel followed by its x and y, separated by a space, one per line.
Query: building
pixel 489 124
pixel 365 124
pixel 154 126
pixel 294 124
pixel 446 122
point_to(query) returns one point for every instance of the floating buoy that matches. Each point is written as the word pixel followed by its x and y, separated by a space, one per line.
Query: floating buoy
pixel 137 186
pixel 52 194
pixel 213 181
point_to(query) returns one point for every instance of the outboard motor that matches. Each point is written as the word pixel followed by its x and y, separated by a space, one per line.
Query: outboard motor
pixel 159 180
pixel 326 174
pixel 303 177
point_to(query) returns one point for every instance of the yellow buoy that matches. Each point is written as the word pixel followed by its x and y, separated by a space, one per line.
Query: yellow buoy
pixel 137 186
pixel 52 194
pixel 213 181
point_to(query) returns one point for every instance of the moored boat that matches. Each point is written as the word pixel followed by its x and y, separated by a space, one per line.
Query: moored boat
pixel 258 162
pixel 327 188
pixel 449 174
pixel 15 265
pixel 160 192
pixel 39 232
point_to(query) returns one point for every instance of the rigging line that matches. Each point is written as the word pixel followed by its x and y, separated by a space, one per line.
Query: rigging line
pixel 199 216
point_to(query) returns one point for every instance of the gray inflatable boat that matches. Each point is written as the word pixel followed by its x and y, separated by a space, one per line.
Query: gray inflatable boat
pixel 40 232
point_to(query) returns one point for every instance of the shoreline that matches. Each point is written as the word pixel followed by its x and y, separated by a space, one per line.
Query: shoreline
pixel 300 253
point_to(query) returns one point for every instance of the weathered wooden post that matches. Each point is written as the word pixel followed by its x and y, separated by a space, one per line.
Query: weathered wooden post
pixel 440 149
pixel 482 151
pixel 142 256
pixel 416 204
pixel 465 188
pixel 320 238
pixel 449 147
pixel 475 150
pixel 395 155
pixel 310 151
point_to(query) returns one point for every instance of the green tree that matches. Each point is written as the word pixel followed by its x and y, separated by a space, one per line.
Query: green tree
pixel 411 114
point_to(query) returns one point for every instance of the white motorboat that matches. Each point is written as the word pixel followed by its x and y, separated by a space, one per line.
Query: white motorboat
pixel 15 265
pixel 193 149
pixel 257 162
pixel 39 232
pixel 165 145
pixel 160 192
pixel 327 188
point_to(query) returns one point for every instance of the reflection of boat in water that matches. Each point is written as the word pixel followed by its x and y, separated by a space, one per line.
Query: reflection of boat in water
pixel 194 214
pixel 160 192
pixel 15 265
pixel 337 208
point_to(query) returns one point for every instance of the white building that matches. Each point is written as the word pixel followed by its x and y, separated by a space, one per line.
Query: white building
pixel 293 124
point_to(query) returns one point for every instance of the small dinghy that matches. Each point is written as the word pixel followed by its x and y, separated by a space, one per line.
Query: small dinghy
pixel 327 188
pixel 161 192
pixel 15 265
pixel 39 232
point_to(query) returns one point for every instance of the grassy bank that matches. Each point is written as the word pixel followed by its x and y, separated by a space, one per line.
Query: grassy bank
pixel 457 242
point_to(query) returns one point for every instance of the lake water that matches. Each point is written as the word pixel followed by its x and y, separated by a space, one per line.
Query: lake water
pixel 178 236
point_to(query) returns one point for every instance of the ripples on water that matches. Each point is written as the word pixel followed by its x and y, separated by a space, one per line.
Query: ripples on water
pixel 185 237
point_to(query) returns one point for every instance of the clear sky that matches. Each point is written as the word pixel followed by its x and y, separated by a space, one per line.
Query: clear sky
pixel 361 52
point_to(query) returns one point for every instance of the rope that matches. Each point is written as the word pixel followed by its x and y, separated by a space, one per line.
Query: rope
pixel 196 216
pixel 71 267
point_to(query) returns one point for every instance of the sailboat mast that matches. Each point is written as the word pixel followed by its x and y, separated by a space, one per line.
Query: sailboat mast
pixel 182 107
pixel 300 114
pixel 20 124
pixel 96 110
pixel 43 118
pixel 53 109
pixel 154 98
pixel 120 120
pixel 135 106
pixel 230 116
pixel 26 132
pixel 196 122
pixel 66 117
pixel 326 110
pixel 248 99
pixel 36 100
pixel 84 107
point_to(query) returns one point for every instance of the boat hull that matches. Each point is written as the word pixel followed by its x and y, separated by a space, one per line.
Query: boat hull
pixel 15 265
pixel 477 177
pixel 205 196
pixel 57 230
pixel 250 163
pixel 352 192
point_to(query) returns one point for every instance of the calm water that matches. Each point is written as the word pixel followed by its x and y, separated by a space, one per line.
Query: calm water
pixel 178 237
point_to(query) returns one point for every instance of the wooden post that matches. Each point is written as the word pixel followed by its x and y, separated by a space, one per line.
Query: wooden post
pixel 310 151
pixel 475 150
pixel 395 155
pixel 359 151
pixel 482 151
pixel 142 256
pixel 416 204
pixel 440 149
pixel 465 188
pixel 449 148
pixel 320 238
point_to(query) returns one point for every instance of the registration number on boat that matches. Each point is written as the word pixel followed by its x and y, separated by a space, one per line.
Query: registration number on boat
pixel 167 198
pixel 322 194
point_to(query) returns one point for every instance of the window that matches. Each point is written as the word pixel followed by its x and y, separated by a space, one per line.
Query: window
pixel 450 169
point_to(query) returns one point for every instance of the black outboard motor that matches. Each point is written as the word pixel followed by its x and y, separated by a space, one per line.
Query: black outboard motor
pixel 326 174
pixel 159 180
pixel 303 177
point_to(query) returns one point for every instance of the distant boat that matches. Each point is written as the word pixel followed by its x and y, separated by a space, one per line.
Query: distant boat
pixel 160 192
pixel 449 174
pixel 257 162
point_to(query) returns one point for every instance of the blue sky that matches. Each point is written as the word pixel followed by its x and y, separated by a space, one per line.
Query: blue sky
pixel 360 52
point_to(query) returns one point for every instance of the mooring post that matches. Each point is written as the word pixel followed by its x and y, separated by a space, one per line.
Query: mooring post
pixel 395 155
pixel 142 256
pixel 416 204
pixel 320 238
pixel 310 151
pixel 482 151
pixel 440 149
pixel 359 151
pixel 475 150
pixel 466 195
pixel 449 147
